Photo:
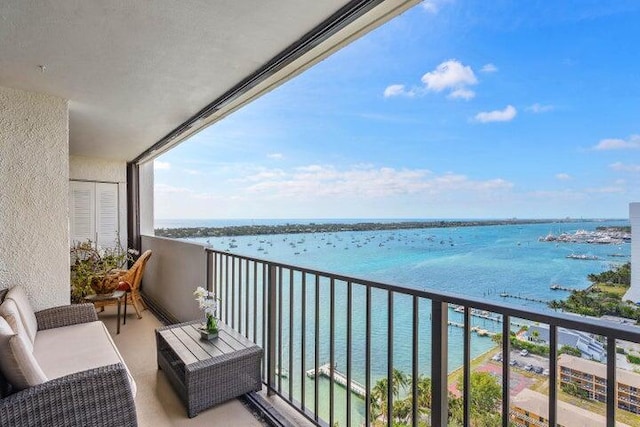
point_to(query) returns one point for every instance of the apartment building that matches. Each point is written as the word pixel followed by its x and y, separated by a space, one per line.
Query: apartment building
pixel 591 377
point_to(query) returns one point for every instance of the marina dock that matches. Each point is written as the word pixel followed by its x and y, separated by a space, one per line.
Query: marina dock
pixel 338 377
pixel 480 331
pixel 482 314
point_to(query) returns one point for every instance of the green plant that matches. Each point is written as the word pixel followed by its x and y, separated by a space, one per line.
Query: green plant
pixel 567 349
pixel 91 264
pixel 633 359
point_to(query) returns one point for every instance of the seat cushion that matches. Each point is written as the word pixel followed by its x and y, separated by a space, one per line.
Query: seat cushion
pixel 76 348
pixel 9 310
pixel 27 314
pixel 17 363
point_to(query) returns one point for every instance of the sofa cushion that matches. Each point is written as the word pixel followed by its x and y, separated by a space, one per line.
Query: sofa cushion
pixel 27 314
pixel 5 330
pixel 9 310
pixel 18 365
pixel 76 348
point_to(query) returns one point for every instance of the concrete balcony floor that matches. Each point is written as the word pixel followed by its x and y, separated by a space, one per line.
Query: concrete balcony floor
pixel 157 404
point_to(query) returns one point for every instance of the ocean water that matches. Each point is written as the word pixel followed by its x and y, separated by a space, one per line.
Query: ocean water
pixel 480 261
pixel 483 261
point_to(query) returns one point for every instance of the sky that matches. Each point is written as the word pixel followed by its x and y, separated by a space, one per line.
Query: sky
pixel 454 109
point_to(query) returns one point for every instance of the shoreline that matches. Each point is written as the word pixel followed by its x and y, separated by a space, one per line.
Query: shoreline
pixel 313 227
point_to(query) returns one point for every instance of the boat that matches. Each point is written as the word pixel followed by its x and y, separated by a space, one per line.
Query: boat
pixel 583 257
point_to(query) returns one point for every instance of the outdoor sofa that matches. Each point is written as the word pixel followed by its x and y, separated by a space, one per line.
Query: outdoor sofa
pixel 60 368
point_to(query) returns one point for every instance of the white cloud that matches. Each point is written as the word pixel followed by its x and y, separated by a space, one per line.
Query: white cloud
pixel 450 75
pixel 462 93
pixel 432 6
pixel 497 115
pixel 393 90
pixel 367 182
pixel 605 190
pixel 489 68
pixel 540 108
pixel 275 156
pixel 563 176
pixel 159 165
pixel 621 167
pixel 169 189
pixel 618 144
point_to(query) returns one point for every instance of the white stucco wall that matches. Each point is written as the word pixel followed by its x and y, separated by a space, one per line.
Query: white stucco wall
pixel 633 293
pixel 94 169
pixel 34 177
pixel 102 170
pixel 174 271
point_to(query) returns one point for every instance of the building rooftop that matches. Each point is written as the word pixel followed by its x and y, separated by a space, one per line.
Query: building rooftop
pixel 537 404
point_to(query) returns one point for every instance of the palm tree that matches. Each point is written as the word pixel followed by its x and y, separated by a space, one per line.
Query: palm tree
pixel 399 380
pixel 424 393
pixel 379 396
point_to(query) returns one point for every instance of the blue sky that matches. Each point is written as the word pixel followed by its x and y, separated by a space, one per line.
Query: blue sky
pixel 455 109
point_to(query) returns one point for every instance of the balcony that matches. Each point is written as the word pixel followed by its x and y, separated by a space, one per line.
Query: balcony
pixel 156 403
pixel 355 332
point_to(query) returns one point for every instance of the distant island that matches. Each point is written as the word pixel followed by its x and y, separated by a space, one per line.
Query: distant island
pixel 254 230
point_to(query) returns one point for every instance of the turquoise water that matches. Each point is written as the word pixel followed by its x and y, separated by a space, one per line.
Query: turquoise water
pixel 470 261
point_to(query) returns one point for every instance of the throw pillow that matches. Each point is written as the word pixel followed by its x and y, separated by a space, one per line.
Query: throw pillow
pixel 18 365
pixel 27 315
pixel 9 310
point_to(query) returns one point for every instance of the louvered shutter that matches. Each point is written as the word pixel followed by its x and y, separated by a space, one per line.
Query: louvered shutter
pixel 107 223
pixel 82 211
pixel 94 214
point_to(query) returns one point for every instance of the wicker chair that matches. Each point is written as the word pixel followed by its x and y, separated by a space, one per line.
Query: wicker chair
pixel 130 281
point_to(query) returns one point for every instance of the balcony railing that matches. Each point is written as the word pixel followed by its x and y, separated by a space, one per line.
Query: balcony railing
pixel 313 323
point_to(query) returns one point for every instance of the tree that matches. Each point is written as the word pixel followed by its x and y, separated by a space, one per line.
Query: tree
pixel 485 397
pixel 424 393
pixel 486 392
pixel 566 349
pixel 379 400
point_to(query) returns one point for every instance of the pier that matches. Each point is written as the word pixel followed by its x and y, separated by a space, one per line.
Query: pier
pixel 338 377
pixel 506 295
pixel 480 331
pixel 481 314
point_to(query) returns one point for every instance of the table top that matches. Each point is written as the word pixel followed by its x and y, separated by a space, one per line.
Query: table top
pixel 113 295
pixel 184 339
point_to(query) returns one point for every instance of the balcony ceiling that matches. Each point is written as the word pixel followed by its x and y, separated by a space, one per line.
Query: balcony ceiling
pixel 135 70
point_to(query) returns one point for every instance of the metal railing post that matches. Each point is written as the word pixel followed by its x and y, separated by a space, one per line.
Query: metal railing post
pixel 272 322
pixel 210 272
pixel 439 358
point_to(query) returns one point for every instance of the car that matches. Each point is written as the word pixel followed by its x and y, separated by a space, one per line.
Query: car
pixel 524 352
pixel 513 362
pixel 545 372
pixel 497 357
pixel 528 367
pixel 538 369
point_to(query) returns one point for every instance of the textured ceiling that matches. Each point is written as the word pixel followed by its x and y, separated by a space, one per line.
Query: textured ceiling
pixel 135 70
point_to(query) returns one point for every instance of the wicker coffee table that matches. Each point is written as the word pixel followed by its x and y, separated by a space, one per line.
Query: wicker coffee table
pixel 205 373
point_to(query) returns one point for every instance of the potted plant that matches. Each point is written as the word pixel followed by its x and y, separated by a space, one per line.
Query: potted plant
pixel 208 303
pixel 95 269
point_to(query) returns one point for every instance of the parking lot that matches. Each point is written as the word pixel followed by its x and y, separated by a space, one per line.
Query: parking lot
pixel 526 361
